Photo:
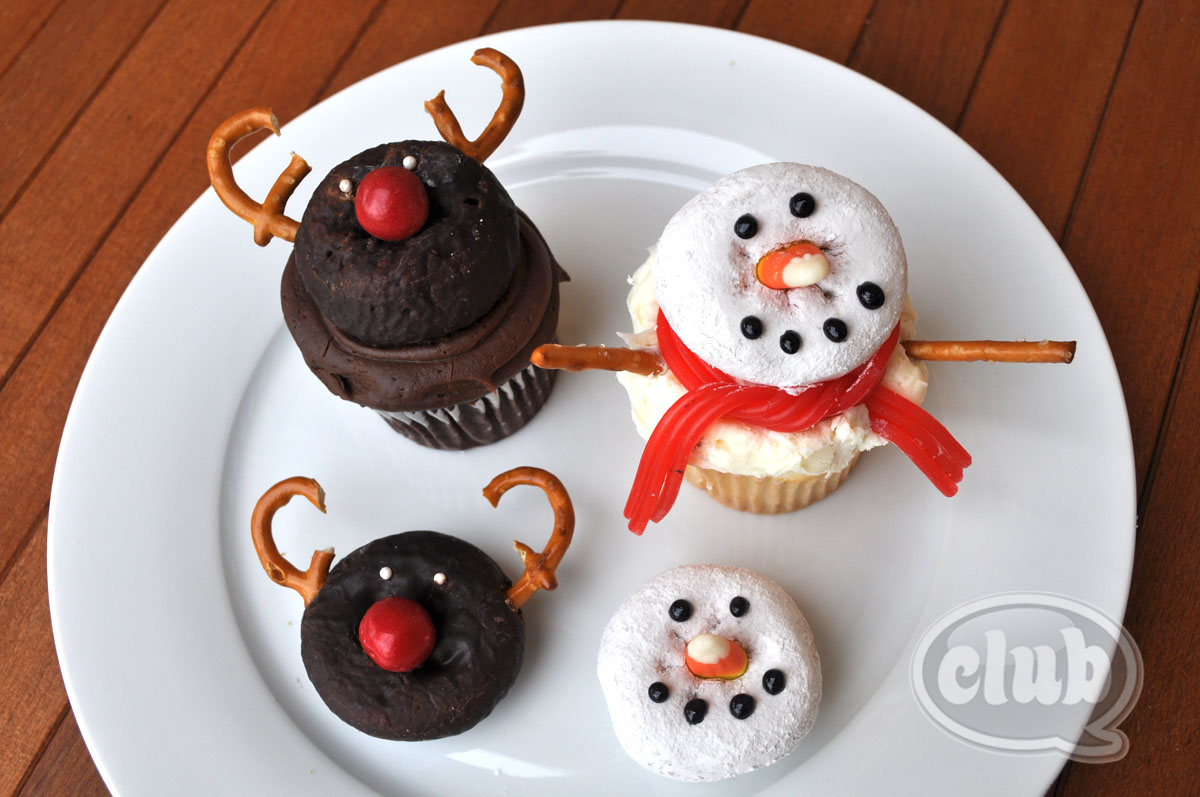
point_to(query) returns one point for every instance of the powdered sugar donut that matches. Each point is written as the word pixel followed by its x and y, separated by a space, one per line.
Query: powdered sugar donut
pixel 761 682
pixel 825 230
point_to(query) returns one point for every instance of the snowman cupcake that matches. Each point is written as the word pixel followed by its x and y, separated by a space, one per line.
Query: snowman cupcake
pixel 709 672
pixel 771 347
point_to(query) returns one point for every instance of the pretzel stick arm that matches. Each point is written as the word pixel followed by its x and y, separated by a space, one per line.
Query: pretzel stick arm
pixel 551 356
pixel 996 351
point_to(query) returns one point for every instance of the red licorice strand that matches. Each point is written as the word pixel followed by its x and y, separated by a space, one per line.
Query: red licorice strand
pixel 915 453
pixel 657 453
pixel 921 436
pixel 678 463
pixel 665 482
pixel 919 416
pixel 672 455
pixel 871 374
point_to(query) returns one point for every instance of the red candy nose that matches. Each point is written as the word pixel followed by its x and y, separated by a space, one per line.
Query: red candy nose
pixel 397 634
pixel 391 203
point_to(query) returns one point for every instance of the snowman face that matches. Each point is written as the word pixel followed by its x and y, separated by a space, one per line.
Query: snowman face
pixel 691 727
pixel 782 274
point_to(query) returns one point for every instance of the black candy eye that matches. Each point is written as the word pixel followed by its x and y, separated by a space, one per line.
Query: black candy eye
pixel 752 327
pixel 658 691
pixel 741 706
pixel 802 205
pixel 790 342
pixel 680 610
pixel 870 295
pixel 739 606
pixel 695 710
pixel 835 329
pixel 745 227
pixel 774 681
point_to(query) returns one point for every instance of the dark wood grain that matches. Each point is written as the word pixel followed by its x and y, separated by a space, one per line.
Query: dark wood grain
pixel 30 705
pixel 20 20
pixel 828 28
pixel 71 55
pixel 1140 193
pixel 719 13
pixel 1089 109
pixel 1037 105
pixel 65 767
pixel 928 50
pixel 1146 155
pixel 517 14
pixel 49 233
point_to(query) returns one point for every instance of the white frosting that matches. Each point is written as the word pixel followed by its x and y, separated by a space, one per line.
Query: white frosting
pixel 737 448
pixel 705 277
pixel 642 645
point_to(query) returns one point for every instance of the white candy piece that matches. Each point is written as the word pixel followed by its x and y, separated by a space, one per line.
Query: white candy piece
pixel 345 186
pixel 409 162
pixel 642 645
pixel 705 275
pixel 385 573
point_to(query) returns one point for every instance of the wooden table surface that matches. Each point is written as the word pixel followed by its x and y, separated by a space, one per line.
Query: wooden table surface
pixel 1090 108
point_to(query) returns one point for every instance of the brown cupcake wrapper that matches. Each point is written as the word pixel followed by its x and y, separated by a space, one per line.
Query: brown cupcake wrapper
pixel 767 496
pixel 485 420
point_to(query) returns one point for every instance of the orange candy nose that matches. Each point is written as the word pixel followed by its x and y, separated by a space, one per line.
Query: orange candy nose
pixel 712 656
pixel 793 266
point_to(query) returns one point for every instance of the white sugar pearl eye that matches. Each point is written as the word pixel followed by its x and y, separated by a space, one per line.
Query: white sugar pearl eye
pixel 345 186
pixel 409 162
pixel 385 573
pixel 439 578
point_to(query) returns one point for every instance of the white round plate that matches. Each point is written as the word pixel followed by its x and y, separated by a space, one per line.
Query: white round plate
pixel 182 659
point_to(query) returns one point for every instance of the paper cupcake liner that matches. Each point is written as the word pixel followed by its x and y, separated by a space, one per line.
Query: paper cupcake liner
pixel 485 420
pixel 767 496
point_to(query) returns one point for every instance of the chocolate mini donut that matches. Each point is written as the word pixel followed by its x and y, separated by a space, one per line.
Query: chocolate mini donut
pixel 709 672
pixel 416 287
pixel 480 637
pixel 417 635
pixel 441 279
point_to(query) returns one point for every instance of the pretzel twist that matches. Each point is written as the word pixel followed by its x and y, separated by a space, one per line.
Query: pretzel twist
pixel 511 102
pixel 268 218
pixel 280 570
pixel 539 567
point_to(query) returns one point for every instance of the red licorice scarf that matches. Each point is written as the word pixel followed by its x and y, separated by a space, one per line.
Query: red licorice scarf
pixel 713 394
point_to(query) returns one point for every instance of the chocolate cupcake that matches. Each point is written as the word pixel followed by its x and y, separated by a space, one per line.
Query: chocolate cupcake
pixel 417 635
pixel 416 286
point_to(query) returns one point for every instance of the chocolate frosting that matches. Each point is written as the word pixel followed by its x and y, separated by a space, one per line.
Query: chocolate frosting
pixel 479 649
pixel 457 368
pixel 442 279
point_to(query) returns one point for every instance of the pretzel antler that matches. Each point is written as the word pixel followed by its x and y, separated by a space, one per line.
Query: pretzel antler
pixel 502 121
pixel 267 218
pixel 281 571
pixel 539 567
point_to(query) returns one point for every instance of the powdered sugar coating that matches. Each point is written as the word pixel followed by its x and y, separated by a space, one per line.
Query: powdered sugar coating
pixel 642 645
pixel 705 275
